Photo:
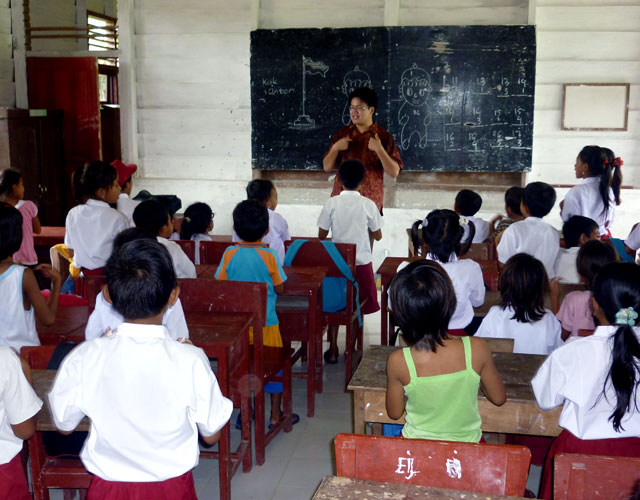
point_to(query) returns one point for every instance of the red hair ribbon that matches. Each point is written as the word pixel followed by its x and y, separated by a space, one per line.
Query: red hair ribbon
pixel 618 162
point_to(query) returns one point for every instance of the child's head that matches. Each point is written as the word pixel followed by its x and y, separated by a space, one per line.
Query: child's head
pixel 538 199
pixel 140 279
pixel 131 234
pixel 467 203
pixel 522 284
pixel 10 231
pixel 592 257
pixel 198 219
pixel 125 175
pixel 616 294
pixel 578 230
pixel 512 201
pixel 442 231
pixel 96 180
pixel 351 174
pixel 264 191
pixel 152 216
pixel 11 184
pixel 594 161
pixel 250 220
pixel 423 301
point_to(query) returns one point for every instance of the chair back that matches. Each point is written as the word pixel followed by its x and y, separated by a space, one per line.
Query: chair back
pixel 484 468
pixel 211 252
pixel 37 357
pixel 587 476
pixel 189 248
pixel 92 287
pixel 480 251
pixel 313 253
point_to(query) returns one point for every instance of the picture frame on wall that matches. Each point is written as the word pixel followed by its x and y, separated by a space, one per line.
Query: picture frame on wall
pixel 595 106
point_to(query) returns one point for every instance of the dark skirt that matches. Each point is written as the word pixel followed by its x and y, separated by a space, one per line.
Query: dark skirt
pixel 13 482
pixel 176 488
pixel 367 286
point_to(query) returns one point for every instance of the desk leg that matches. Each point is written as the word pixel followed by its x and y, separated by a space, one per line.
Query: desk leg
pixel 311 359
pixel 358 412
pixel 384 315
pixel 225 438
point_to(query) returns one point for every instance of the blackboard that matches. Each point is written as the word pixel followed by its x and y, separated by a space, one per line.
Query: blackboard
pixel 456 98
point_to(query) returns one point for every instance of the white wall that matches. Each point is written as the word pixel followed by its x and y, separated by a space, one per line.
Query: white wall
pixel 193 92
pixel 7 89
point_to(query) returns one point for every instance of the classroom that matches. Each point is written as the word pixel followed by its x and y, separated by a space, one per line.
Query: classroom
pixel 184 117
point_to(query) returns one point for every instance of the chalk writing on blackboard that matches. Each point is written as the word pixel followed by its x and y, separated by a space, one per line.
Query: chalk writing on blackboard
pixel 309 67
pixel 414 114
pixel 354 79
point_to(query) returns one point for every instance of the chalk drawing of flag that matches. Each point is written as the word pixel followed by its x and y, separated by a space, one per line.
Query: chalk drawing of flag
pixel 315 67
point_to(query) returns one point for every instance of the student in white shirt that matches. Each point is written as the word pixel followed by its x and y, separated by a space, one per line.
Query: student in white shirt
pixel 521 315
pixel 92 225
pixel 196 225
pixel 442 231
pixel 632 243
pixel 105 318
pixel 152 216
pixel 265 192
pixel 596 378
pixel 576 232
pixel 532 235
pixel 18 407
pixel 147 395
pixel 599 191
pixel 352 218
pixel 126 205
pixel 467 205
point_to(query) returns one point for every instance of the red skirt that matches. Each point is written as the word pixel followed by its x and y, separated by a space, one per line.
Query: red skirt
pixel 568 443
pixel 176 488
pixel 367 287
pixel 13 483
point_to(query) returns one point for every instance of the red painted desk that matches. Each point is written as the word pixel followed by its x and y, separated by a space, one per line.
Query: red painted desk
pixel 225 336
pixel 70 322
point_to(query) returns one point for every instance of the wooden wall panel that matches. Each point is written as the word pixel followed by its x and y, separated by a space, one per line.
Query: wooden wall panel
pixel 171 95
pixel 589 46
pixel 455 16
pixel 586 18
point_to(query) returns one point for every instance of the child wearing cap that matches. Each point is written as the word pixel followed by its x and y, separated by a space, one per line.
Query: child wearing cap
pixel 126 205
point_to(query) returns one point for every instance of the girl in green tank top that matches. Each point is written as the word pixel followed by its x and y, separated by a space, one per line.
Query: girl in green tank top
pixel 436 380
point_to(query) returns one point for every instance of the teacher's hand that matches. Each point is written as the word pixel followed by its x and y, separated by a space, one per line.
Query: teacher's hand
pixel 375 144
pixel 342 144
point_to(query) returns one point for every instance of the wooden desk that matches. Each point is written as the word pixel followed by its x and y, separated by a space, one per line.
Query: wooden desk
pixel 42 382
pixel 49 236
pixel 344 488
pixel 70 322
pixel 519 415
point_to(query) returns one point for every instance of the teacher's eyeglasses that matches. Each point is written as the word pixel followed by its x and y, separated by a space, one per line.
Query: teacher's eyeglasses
pixel 358 108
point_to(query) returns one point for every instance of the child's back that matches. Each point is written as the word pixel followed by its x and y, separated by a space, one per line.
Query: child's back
pixel 19 325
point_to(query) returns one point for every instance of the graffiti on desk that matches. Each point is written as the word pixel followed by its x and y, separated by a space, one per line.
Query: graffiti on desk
pixel 405 466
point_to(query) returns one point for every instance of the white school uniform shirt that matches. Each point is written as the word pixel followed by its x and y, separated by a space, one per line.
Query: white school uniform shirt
pixel 539 337
pixel 90 231
pixel 182 265
pixel 104 316
pixel 18 326
pixel 534 237
pixel 126 206
pixel 565 266
pixel 203 237
pixel 146 395
pixel 483 228
pixel 633 240
pixel 277 235
pixel 584 199
pixel 468 284
pixel 574 376
pixel 350 217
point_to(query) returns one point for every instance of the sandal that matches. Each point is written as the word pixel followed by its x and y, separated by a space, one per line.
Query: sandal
pixel 328 360
pixel 296 419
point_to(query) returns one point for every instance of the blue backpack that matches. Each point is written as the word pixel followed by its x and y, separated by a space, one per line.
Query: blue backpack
pixel 334 289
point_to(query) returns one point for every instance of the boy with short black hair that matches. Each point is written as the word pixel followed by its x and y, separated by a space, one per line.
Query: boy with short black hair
pixel 467 204
pixel 512 200
pixel 144 392
pixel 352 218
pixel 532 235
pixel 154 217
pixel 577 230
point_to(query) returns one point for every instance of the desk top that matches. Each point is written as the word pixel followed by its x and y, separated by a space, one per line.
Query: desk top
pixel 42 382
pixel 297 277
pixel 516 371
pixel 49 236
pixel 68 320
pixel 344 488
pixel 219 328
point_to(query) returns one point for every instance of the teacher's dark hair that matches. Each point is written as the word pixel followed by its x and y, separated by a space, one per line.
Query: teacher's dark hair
pixel 367 95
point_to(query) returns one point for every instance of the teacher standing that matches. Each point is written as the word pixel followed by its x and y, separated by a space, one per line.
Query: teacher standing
pixel 366 141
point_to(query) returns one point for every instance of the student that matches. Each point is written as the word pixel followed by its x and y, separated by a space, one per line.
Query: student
pixel 575 313
pixel 442 231
pixel 126 205
pixel 532 235
pixel 632 243
pixel 20 297
pixel 105 318
pixel 599 191
pixel 352 218
pixel 265 192
pixel 521 315
pixel 467 205
pixel 152 216
pixel 436 379
pixel 196 225
pixel 512 200
pixel 92 225
pixel 596 378
pixel 577 230
pixel 251 260
pixel 12 192
pixel 18 407
pixel 145 393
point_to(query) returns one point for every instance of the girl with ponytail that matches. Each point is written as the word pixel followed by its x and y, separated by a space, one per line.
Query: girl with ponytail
pixel 196 225
pixel 599 191
pixel 596 378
